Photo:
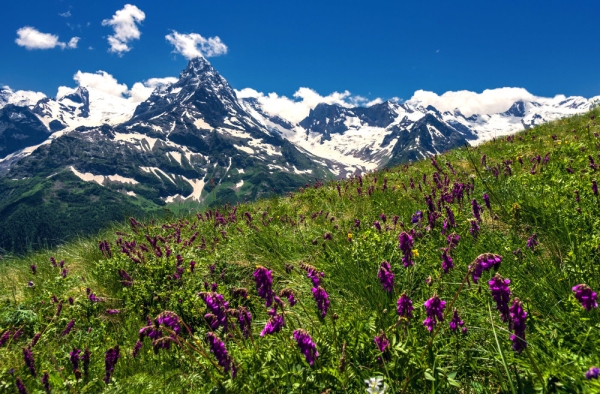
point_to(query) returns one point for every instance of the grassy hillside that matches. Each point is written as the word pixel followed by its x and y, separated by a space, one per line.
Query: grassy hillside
pixel 484 243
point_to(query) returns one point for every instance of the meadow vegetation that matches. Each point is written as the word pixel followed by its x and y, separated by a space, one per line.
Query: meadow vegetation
pixel 472 272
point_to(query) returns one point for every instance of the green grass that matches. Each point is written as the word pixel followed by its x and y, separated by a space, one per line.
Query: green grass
pixel 562 337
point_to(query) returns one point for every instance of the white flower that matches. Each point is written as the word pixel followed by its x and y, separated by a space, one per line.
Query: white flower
pixel 373 385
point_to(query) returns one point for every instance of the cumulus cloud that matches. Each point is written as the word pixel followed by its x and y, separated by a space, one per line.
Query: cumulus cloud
pixel 140 91
pixel 305 99
pixel 124 23
pixel 194 45
pixel 108 84
pixel 31 38
pixel 20 97
pixel 490 101
pixel 65 14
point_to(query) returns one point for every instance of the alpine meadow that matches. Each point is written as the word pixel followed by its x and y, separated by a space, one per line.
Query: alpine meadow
pixel 473 271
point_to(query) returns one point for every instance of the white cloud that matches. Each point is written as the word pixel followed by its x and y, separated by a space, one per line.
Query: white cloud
pixel 490 101
pixel 20 97
pixel 73 42
pixel 124 22
pixel 31 38
pixel 194 45
pixel 65 14
pixel 305 100
pixel 108 84
pixel 140 91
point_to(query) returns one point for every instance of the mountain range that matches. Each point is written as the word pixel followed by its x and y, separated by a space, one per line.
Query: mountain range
pixel 86 154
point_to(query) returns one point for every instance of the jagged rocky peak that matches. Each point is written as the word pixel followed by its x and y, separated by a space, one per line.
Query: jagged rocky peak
pixel 517 109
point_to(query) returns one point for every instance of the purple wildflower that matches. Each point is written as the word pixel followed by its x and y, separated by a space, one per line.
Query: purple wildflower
pixel 447 264
pixel 595 187
pixel 482 263
pixel 275 323
pixel 68 328
pixel 35 340
pixel 405 307
pixel 532 242
pixel 136 348
pixel 217 347
pixel 245 320
pixel 71 301
pixel 453 240
pixel 264 283
pixel 434 308
pixel 5 337
pixel 592 373
pixel 217 305
pixel 586 296
pixel 21 386
pixel 474 230
pixel 450 214
pixel 64 272
pixel 417 217
pixel 86 361
pixel 381 341
pixel 59 308
pixel 170 319
pixel 113 311
pixel 405 244
pixel 386 276
pixel 291 297
pixel 517 318
pixel 501 294
pixel 29 360
pixel 33 268
pixel 322 299
pixel 46 382
pixel 306 345
pixel 74 358
pixel 476 210
pixel 314 275
pixel 110 360
pixel 456 321
pixel 377 225
pixel 486 199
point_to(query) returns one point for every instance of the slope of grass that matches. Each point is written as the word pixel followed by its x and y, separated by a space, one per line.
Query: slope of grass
pixel 542 220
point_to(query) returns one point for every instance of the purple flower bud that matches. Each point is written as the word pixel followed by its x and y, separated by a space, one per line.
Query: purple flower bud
pixel 405 307
pixel 386 276
pixel 484 262
pixel 585 296
pixel 29 361
pixel 74 358
pixel 501 294
pixel 264 283
pixel 447 263
pixel 137 348
pixel 21 386
pixel 110 360
pixel 46 382
pixel 35 340
pixel 382 342
pixel 532 242
pixel 33 268
pixel 517 318
pixel 322 300
pixel 434 308
pixel 592 373
pixel 217 348
pixel 456 322
pixel 486 199
pixel 68 328
pixel 306 345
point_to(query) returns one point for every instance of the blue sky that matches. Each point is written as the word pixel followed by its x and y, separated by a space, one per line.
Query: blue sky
pixel 372 49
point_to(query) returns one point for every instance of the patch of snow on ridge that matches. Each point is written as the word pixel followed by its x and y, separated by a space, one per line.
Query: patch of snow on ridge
pixel 135 137
pixel 88 176
pixel 122 179
pixel 198 185
pixel 239 184
pixel 201 124
pixel 246 149
pixel 176 156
